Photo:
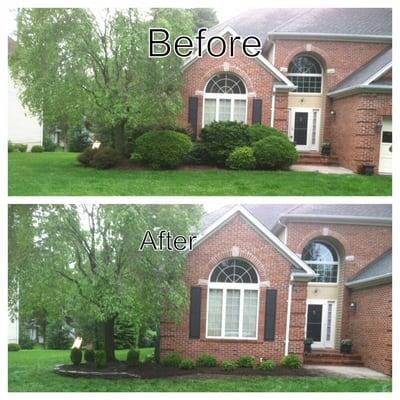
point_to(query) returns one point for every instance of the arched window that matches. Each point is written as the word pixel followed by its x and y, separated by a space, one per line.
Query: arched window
pixel 225 99
pixel 233 293
pixel 323 259
pixel 306 73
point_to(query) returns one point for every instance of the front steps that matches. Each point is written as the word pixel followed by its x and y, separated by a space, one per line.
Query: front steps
pixel 332 357
pixel 315 158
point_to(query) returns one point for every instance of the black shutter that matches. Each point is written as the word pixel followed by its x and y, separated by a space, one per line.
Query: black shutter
pixel 195 308
pixel 192 117
pixel 257 111
pixel 270 315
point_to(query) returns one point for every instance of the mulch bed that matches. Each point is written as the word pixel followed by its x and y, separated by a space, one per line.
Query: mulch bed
pixel 137 166
pixel 120 369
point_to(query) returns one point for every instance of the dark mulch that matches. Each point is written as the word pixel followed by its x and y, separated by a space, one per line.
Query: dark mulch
pixel 137 166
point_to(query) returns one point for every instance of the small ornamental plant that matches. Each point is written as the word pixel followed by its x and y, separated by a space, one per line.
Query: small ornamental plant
pixel 187 364
pixel 100 359
pixel 88 355
pixel 247 362
pixel 206 360
pixel 229 366
pixel 171 360
pixel 291 361
pixel 132 358
pixel 14 347
pixel 37 149
pixel 76 356
pixel 267 365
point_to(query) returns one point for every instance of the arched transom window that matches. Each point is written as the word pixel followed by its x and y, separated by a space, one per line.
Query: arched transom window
pixel 225 99
pixel 306 73
pixel 323 259
pixel 233 294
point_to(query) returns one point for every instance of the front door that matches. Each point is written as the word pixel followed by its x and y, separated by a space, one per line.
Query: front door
pixel 385 155
pixel 320 324
pixel 304 128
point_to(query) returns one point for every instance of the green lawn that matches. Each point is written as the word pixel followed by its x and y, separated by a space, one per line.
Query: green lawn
pixel 42 174
pixel 32 371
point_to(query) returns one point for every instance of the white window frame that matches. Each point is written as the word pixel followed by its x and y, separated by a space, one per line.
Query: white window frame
pixel 321 75
pixel 310 110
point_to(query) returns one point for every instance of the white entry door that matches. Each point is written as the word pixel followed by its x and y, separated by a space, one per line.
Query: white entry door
pixel 320 323
pixel 304 128
pixel 385 155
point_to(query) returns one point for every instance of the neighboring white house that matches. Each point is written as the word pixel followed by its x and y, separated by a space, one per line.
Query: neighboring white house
pixel 13 328
pixel 22 126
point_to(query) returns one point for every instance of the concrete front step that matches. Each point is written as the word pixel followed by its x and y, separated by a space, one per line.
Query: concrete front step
pixel 332 358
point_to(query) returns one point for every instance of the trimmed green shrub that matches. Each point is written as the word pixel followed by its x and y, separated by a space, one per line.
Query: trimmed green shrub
pixel 88 355
pixel 48 144
pixel 198 155
pixel 221 138
pixel 163 149
pixel 37 149
pixel 11 147
pixel 206 360
pixel 247 362
pixel 291 361
pixel 187 364
pixel 100 359
pixel 241 158
pixel 132 358
pixel 86 157
pixel 274 153
pixel 267 365
pixel 259 132
pixel 105 158
pixel 228 366
pixel 77 139
pixel 76 356
pixel 14 347
pixel 22 148
pixel 171 360
pixel 25 342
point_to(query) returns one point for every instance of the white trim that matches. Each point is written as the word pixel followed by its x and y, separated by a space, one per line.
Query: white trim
pixel 330 36
pixel 273 109
pixel 379 73
pixel 289 310
pixel 309 110
pixel 360 88
pixel 360 283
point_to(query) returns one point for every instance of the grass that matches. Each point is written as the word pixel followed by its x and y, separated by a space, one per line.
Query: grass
pixel 32 371
pixel 43 174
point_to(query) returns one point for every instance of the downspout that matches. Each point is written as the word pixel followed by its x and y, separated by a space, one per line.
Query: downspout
pixel 273 109
pixel 289 311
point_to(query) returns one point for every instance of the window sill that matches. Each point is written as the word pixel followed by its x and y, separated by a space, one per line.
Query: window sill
pixel 229 340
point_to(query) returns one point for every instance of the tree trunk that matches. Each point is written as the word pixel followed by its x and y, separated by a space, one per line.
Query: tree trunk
pixel 120 139
pixel 109 339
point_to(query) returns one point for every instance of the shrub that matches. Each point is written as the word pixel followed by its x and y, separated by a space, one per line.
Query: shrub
pixel 149 359
pixel 14 347
pixel 291 361
pixel 25 342
pixel 86 157
pixel 22 148
pixel 58 336
pixel 274 153
pixel 163 149
pixel 171 360
pixel 241 158
pixel 206 360
pixel 132 358
pixel 37 149
pixel 229 366
pixel 10 147
pixel 76 356
pixel 187 364
pixel 267 365
pixel 148 338
pixel 104 158
pixel 247 362
pixel 78 139
pixel 259 132
pixel 48 144
pixel 198 155
pixel 88 355
pixel 221 138
pixel 100 359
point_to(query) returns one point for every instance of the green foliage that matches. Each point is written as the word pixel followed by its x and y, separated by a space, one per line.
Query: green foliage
pixel 76 356
pixel 89 355
pixel 229 366
pixel 171 360
pixel 48 144
pixel 25 341
pixel 10 147
pixel 86 157
pixel 163 149
pixel 22 148
pixel 78 139
pixel 198 155
pixel 259 132
pixel 274 153
pixel 37 149
pixel 149 359
pixel 291 361
pixel 58 336
pixel 14 347
pixel 206 360
pixel 267 365
pixel 147 338
pixel 221 138
pixel 203 18
pixel 132 357
pixel 241 158
pixel 247 362
pixel 124 334
pixel 104 158
pixel 187 364
pixel 100 359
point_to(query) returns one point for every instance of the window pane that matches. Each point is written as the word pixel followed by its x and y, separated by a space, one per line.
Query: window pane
pixel 239 111
pixel 250 301
pixel 210 110
pixel 226 83
pixel 232 313
pixel 327 272
pixel 307 84
pixel 214 312
pixel 329 322
pixel 314 127
pixel 224 110
pixel 318 251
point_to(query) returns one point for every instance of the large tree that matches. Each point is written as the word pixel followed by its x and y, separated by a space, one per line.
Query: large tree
pixel 73 64
pixel 204 18
pixel 92 252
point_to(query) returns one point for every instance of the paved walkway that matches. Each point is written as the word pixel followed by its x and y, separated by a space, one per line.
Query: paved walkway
pixel 346 372
pixel 323 169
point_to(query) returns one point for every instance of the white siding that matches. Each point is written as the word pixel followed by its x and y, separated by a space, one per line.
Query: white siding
pixel 12 330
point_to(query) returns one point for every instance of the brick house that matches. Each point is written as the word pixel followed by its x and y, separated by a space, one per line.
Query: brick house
pixel 324 76
pixel 264 277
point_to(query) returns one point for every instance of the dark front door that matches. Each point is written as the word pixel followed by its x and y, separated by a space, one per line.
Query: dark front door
pixel 300 128
pixel 314 321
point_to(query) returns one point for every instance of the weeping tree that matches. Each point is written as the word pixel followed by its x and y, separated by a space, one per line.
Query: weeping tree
pixel 74 64
pixel 92 253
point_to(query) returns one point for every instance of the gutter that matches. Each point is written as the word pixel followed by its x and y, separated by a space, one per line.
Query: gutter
pixel 289 311
pixel 375 280
pixel 273 110
pixel 329 36
pixel 360 88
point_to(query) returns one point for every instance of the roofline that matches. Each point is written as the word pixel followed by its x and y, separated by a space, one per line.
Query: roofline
pixel 329 36
pixel 372 281
pixel 379 73
pixel 290 256
pixel 360 89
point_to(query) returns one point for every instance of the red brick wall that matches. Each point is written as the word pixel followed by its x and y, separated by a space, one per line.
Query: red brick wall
pixel 371 326
pixel 271 267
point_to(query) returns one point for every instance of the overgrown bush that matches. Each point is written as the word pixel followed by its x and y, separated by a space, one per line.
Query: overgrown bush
pixel 76 356
pixel 86 157
pixel 37 149
pixel 48 144
pixel 206 360
pixel 199 155
pixel 229 366
pixel 291 361
pixel 14 347
pixel 163 149
pixel 187 364
pixel 104 158
pixel 259 132
pixel 100 359
pixel 25 341
pixel 10 147
pixel 88 355
pixel 171 360
pixel 274 153
pixel 221 138
pixel 267 365
pixel 22 148
pixel 132 358
pixel 58 336
pixel 241 158
pixel 78 139
pixel 148 338
pixel 247 362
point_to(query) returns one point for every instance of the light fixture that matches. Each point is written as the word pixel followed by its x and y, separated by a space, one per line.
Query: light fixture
pixel 353 306
pixel 378 126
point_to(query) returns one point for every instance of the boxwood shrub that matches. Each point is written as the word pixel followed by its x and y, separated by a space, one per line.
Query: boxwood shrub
pixel 247 362
pixel 206 360
pixel 22 148
pixel 14 347
pixel 258 132
pixel 171 360
pixel 104 158
pixel 241 158
pixel 267 365
pixel 76 356
pixel 10 147
pixel 37 149
pixel 187 364
pixel 86 157
pixel 291 361
pixel 229 366
pixel 100 359
pixel 88 355
pixel 132 358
